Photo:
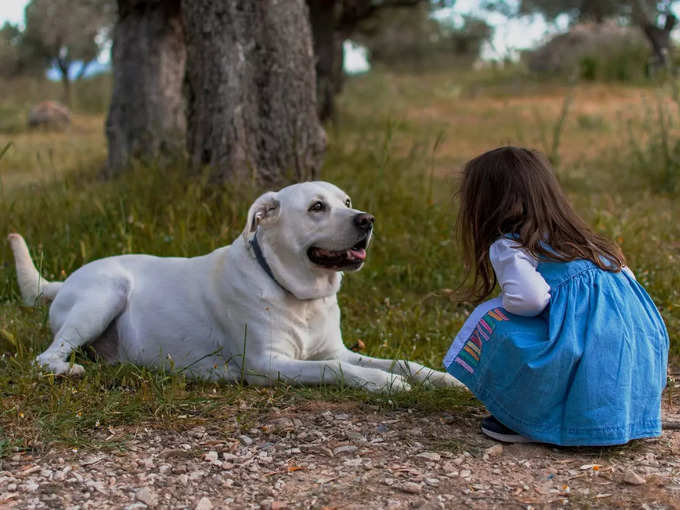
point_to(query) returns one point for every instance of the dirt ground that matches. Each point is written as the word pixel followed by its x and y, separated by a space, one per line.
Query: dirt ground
pixel 341 456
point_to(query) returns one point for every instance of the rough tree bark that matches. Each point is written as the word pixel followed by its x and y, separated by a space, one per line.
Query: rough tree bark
pixel 147 114
pixel 334 21
pixel 251 89
pixel 328 52
pixel 645 14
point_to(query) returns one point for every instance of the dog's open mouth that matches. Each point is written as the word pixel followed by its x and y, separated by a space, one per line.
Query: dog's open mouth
pixel 350 258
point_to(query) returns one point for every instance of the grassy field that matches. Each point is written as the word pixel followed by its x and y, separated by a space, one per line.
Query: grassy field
pixel 395 148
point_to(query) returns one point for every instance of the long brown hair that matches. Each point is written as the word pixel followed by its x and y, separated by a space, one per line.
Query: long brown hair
pixel 513 191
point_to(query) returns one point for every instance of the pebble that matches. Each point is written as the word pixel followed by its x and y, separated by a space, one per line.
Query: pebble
pixel 411 488
pixel 247 441
pixel 429 456
pixel 211 456
pixel 632 478
pixel 146 496
pixel 344 449
pixel 204 504
pixel 494 451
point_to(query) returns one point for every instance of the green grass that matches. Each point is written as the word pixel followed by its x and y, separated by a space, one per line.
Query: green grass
pixel 395 150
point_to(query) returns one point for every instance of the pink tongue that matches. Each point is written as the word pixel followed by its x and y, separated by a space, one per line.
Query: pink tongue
pixel 357 254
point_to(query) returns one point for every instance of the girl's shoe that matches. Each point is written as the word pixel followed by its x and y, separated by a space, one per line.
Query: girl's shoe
pixel 496 430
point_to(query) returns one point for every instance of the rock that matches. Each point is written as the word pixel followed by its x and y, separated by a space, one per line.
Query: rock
pixel 211 456
pixel 411 488
pixel 31 486
pixel 49 114
pixel 245 440
pixel 344 449
pixel 196 475
pixel 146 496
pixel 494 451
pixel 632 478
pixel 204 504
pixel 429 456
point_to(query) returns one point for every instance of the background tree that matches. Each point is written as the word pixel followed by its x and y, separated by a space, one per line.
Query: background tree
pixel 10 50
pixel 415 40
pixel 332 23
pixel 63 32
pixel 251 89
pixel 654 17
pixel 147 112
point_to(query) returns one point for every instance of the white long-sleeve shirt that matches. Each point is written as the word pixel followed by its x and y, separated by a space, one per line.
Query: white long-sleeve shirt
pixel 523 289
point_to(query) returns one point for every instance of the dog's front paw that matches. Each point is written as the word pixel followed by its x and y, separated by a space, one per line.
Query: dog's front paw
pixel 393 384
pixel 444 380
pixel 59 367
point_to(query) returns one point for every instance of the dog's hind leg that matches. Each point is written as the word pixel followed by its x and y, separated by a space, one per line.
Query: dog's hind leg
pixel 79 322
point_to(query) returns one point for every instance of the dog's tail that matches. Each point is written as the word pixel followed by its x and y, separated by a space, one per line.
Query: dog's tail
pixel 32 285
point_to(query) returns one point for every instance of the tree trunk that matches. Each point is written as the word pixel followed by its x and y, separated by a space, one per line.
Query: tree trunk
pixel 147 114
pixel 329 54
pixel 644 14
pixel 660 39
pixel 64 66
pixel 251 89
pixel 66 83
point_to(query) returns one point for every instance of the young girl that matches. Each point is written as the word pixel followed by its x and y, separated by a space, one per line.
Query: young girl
pixel 573 351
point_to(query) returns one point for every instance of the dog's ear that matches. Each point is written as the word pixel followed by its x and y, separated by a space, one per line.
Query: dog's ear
pixel 264 209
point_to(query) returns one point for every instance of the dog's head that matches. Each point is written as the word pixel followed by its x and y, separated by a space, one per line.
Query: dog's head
pixel 309 233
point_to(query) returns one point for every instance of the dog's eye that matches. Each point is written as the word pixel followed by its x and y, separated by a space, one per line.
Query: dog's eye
pixel 317 206
pixel 348 203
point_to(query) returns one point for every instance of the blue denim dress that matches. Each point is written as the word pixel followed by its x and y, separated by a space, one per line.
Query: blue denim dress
pixel 589 370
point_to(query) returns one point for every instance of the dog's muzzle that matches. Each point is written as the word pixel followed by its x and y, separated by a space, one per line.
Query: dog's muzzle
pixel 350 258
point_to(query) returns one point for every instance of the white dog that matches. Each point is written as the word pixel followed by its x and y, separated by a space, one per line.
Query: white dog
pixel 259 310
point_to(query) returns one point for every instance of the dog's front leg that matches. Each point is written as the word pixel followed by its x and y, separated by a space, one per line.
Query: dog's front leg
pixel 292 371
pixel 408 369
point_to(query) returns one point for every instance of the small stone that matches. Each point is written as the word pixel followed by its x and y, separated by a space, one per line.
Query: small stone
pixel 632 478
pixel 355 436
pixel 411 488
pixel 344 449
pixel 429 456
pixel 433 482
pixel 247 441
pixel 31 486
pixel 204 504
pixel 146 496
pixel 196 475
pixel 211 456
pixel 494 451
pixel 164 468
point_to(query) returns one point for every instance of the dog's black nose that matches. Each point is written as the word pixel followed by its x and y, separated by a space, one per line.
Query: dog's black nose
pixel 364 221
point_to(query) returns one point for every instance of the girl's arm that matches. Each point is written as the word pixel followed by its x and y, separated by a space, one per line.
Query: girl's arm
pixel 524 291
